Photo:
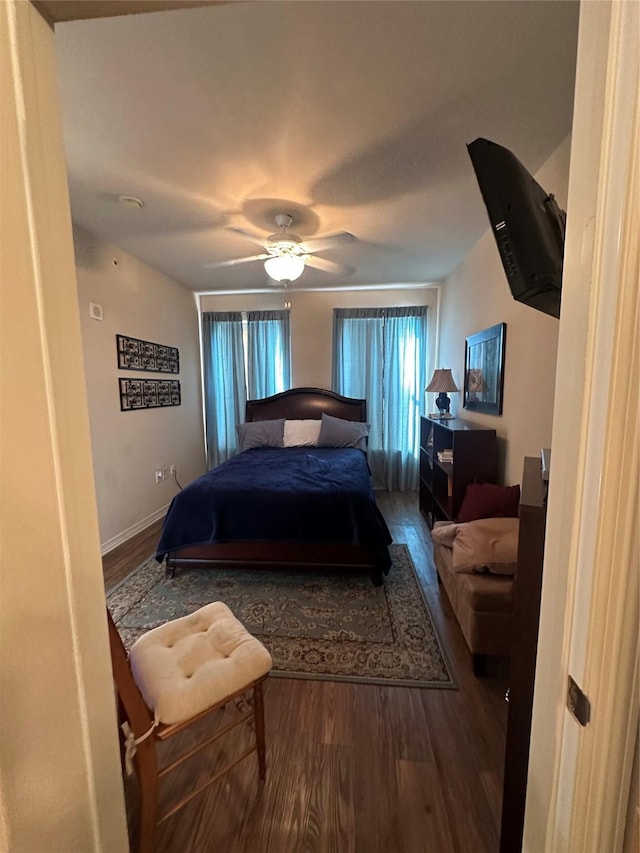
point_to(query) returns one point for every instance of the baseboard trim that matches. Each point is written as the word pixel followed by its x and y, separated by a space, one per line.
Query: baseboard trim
pixel 127 534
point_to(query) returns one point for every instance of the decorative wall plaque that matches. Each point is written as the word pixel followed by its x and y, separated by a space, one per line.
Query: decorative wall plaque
pixel 134 354
pixel 148 393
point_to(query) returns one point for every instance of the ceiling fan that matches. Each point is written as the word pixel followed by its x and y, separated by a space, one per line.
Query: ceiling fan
pixel 286 254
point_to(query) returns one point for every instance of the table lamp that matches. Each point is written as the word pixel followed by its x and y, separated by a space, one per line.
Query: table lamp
pixel 442 381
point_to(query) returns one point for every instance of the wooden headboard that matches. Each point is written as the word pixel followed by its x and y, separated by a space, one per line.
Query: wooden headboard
pixel 301 403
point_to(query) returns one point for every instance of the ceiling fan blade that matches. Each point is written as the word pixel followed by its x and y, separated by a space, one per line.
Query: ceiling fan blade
pixel 248 235
pixel 328 241
pixel 329 266
pixel 235 261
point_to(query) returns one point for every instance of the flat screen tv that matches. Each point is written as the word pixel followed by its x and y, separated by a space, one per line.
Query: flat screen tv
pixel 527 224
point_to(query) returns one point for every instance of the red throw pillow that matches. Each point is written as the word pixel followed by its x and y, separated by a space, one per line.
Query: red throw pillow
pixel 486 500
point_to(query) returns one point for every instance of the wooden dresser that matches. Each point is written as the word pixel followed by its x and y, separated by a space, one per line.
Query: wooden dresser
pixel 526 617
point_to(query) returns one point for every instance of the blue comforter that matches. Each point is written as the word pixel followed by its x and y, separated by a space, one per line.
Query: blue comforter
pixel 295 493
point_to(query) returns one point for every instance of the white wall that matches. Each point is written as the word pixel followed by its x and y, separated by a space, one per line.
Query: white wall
pixel 578 782
pixel 475 296
pixel 140 302
pixel 312 321
pixel 60 778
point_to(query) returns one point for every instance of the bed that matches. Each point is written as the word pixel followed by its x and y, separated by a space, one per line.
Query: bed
pixel 302 507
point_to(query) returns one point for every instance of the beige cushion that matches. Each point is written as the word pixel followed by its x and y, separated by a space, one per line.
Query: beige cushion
pixel 484 545
pixel 190 664
pixel 444 532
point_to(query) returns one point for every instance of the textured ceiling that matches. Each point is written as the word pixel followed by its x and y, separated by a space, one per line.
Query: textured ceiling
pixel 351 116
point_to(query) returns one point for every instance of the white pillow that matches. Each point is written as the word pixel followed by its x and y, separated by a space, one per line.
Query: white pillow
pixel 301 433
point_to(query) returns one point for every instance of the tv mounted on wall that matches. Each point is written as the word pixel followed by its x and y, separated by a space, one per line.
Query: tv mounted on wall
pixel 527 224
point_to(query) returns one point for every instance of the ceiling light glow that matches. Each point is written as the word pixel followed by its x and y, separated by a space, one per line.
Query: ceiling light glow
pixel 285 268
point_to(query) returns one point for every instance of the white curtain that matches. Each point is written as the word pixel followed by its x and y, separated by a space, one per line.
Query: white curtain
pixel 227 337
pixel 268 353
pixel 224 382
pixel 380 354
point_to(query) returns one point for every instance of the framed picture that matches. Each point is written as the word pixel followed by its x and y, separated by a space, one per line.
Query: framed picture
pixel 148 393
pixel 484 370
pixel 135 354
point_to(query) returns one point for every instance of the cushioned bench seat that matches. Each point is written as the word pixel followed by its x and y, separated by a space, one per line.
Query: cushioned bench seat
pixel 482 600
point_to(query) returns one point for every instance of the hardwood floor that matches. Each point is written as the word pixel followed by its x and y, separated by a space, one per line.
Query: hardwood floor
pixel 117 564
pixel 355 768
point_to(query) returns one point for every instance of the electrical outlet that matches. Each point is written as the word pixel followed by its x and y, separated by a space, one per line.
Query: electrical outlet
pixel 172 470
pixel 165 473
pixel 158 475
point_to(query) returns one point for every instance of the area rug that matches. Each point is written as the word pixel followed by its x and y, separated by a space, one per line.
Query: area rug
pixel 332 626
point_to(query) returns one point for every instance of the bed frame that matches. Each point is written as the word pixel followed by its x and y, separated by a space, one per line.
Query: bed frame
pixel 294 404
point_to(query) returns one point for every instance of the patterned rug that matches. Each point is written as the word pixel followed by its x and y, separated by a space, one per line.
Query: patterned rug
pixel 337 627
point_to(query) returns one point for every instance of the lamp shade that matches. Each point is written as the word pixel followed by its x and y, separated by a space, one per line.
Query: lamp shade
pixel 442 380
pixel 284 268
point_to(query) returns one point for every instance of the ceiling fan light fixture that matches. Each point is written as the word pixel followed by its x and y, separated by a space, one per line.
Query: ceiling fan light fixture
pixel 284 268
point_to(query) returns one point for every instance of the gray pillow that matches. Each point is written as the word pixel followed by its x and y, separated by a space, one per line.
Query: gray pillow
pixel 260 434
pixel 336 432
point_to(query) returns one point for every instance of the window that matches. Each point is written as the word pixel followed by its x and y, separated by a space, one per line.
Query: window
pixel 380 354
pixel 245 356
